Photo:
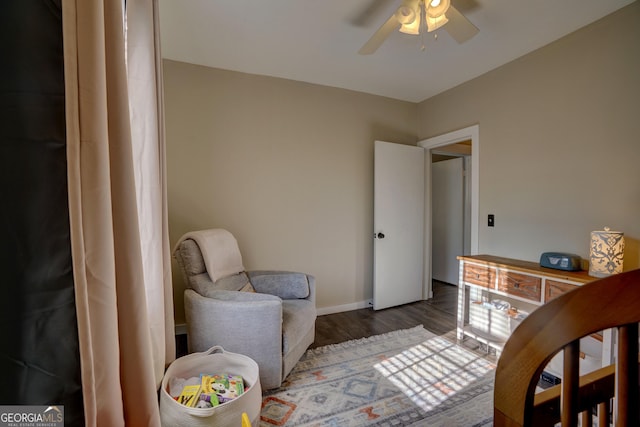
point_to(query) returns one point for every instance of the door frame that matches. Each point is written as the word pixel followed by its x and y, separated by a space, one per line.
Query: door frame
pixel 469 133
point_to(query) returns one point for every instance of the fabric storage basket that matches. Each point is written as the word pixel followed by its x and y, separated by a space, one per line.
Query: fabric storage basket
pixel 229 414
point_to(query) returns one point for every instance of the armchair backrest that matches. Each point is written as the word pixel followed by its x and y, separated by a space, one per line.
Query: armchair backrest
pixel 210 259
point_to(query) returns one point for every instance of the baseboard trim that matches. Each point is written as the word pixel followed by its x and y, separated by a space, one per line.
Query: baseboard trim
pixel 181 329
pixel 345 307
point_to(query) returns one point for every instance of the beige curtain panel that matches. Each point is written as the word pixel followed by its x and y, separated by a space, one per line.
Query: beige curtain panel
pixel 118 209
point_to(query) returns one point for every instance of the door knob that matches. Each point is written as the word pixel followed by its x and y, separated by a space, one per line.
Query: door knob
pixel 380 236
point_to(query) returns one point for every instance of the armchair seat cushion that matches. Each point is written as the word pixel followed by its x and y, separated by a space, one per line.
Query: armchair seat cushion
pixel 232 283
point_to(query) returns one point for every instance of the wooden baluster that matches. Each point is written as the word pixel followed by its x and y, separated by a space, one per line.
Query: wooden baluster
pixel 570 384
pixel 585 418
pixel 603 414
pixel 626 411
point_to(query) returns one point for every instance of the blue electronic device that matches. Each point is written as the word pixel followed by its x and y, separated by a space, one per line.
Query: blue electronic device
pixel 560 261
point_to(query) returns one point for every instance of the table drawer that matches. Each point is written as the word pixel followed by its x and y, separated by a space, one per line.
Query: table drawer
pixel 522 285
pixel 479 275
pixel 555 289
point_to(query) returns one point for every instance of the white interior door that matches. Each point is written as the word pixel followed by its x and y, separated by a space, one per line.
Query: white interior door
pixel 447 218
pixel 399 181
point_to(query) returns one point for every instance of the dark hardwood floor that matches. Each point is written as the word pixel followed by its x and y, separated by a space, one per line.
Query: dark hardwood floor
pixel 437 315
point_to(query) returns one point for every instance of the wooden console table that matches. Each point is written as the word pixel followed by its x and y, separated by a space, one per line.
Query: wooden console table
pixel 525 285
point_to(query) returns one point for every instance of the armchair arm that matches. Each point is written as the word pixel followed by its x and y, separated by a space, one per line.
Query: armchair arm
pixel 284 284
pixel 241 322
pixel 312 289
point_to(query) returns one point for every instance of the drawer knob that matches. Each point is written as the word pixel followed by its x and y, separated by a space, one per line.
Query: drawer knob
pixel 477 275
pixel 516 285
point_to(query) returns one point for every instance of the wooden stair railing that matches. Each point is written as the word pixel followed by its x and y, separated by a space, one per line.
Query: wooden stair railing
pixel 612 302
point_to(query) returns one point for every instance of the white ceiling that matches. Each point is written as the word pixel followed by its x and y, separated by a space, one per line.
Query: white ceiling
pixel 317 41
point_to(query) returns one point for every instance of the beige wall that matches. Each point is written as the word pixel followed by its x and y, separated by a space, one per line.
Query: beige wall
pixel 286 166
pixel 559 141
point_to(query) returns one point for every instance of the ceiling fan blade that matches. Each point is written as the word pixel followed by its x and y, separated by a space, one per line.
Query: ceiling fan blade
pixel 370 13
pixel 380 36
pixel 459 27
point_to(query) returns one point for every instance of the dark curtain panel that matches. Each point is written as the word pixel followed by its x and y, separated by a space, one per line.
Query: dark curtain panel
pixel 39 356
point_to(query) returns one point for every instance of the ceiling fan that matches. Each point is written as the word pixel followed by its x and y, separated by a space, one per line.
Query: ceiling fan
pixel 421 17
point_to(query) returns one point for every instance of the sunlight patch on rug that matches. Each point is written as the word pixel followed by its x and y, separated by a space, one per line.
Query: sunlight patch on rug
pixel 404 378
pixel 434 371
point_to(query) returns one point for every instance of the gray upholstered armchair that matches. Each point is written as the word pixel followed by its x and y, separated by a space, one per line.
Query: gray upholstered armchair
pixel 267 315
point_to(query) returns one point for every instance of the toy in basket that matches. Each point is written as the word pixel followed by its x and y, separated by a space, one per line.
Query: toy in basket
pixel 207 390
pixel 225 387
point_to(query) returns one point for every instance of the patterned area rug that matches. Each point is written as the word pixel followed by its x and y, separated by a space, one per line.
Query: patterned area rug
pixel 409 377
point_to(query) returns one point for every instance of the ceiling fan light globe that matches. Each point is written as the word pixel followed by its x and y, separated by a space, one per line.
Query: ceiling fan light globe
pixel 435 23
pixel 437 8
pixel 413 28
